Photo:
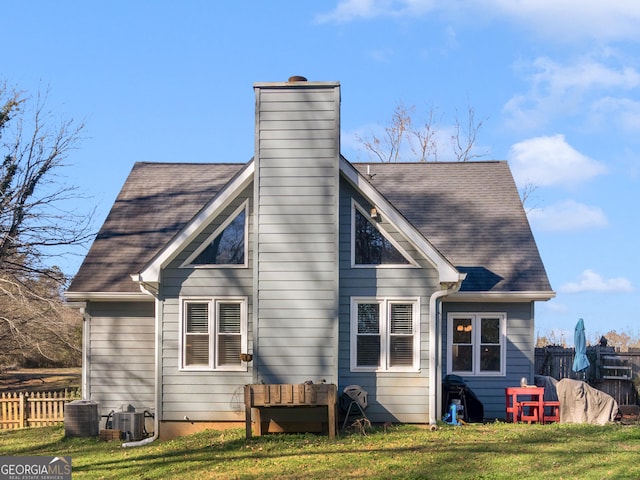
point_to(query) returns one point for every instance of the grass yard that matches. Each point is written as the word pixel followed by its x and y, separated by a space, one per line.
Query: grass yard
pixel 490 451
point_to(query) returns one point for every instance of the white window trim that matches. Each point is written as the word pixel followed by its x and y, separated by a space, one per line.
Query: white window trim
pixel 476 316
pixel 412 263
pixel 385 333
pixel 188 262
pixel 213 333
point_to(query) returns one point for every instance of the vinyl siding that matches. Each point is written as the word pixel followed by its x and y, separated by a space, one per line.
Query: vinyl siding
pixel 520 352
pixel 297 148
pixel 122 353
pixel 203 395
pixel 393 396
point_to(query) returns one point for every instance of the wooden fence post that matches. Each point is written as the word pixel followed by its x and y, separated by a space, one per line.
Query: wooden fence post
pixel 21 411
pixel 29 409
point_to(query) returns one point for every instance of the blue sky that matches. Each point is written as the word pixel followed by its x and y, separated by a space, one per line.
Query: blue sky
pixel 556 84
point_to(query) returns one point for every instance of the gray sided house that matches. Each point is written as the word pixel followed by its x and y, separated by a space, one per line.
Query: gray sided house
pixel 387 276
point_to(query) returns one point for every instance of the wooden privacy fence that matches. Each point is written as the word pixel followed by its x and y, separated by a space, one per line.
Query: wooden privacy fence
pixel 556 362
pixel 611 371
pixel 33 409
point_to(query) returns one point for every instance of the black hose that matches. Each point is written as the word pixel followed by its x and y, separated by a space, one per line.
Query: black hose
pixel 107 424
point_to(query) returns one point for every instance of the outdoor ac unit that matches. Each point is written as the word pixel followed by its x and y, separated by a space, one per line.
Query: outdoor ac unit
pixel 131 424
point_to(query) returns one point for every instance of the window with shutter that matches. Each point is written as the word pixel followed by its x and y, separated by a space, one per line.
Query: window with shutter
pixel 197 334
pixel 401 334
pixel 385 334
pixel 229 333
pixel 214 333
pixel 368 335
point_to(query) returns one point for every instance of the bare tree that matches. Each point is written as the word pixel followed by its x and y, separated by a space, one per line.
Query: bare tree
pixel 526 195
pixel 37 329
pixel 424 139
pixel 35 220
pixel 464 139
pixel 623 341
pixel 388 147
pixel 37 224
pixel 405 140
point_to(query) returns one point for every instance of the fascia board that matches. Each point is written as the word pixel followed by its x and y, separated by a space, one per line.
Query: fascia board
pixel 446 271
pixel 529 296
pixel 151 272
pixel 108 296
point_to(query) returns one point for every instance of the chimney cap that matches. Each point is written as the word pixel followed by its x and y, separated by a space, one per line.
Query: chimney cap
pixel 297 78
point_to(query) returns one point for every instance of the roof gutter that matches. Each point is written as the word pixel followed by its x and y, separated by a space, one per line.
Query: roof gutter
pixel 435 345
pixel 517 296
pixel 106 296
pixel 157 370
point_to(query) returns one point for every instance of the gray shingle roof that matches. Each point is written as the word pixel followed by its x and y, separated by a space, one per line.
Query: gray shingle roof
pixel 470 211
pixel 155 203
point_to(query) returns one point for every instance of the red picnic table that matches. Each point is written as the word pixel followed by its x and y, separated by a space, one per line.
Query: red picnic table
pixel 525 404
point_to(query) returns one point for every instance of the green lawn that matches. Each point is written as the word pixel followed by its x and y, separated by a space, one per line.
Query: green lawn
pixel 473 451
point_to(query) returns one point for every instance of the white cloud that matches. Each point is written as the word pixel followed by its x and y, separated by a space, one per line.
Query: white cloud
pixel 586 73
pixel 561 90
pixel 573 19
pixel 550 160
pixel 349 10
pixel 623 112
pixel 567 216
pixel 590 281
pixel 553 20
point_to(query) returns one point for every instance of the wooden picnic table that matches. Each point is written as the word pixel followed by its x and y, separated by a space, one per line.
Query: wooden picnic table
pixel 516 405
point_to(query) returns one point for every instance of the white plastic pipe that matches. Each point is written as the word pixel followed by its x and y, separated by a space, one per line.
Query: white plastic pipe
pixel 434 348
pixel 157 370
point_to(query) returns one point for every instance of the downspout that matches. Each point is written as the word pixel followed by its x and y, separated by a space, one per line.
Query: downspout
pixel 435 348
pixel 86 350
pixel 157 370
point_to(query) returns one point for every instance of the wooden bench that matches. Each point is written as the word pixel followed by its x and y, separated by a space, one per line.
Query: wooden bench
pixel 554 408
pixel 529 411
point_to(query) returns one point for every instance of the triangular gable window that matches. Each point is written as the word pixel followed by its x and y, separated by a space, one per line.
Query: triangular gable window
pixel 227 245
pixel 371 246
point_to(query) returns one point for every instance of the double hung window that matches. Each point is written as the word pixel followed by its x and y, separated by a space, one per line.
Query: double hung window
pixel 385 334
pixel 476 343
pixel 213 333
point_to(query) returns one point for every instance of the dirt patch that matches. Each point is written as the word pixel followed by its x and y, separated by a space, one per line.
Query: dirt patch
pixel 39 379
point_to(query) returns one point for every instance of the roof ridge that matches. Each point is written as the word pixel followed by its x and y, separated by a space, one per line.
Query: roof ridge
pixel 146 162
pixel 430 163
